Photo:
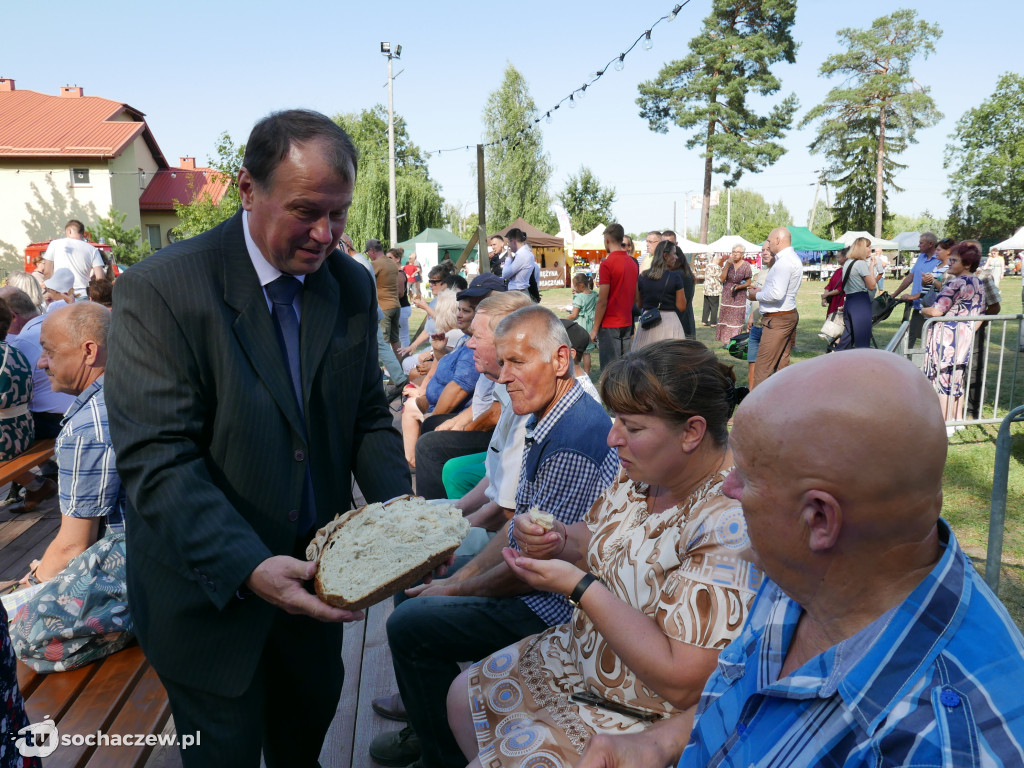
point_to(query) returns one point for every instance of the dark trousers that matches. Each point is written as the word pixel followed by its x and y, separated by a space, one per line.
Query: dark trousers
pixel 857 319
pixel 613 343
pixel 916 326
pixel 428 637
pixel 709 314
pixel 435 448
pixel 286 710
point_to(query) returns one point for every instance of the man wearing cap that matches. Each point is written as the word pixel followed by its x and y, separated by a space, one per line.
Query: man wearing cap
pixel 59 289
pixel 73 252
pixel 470 430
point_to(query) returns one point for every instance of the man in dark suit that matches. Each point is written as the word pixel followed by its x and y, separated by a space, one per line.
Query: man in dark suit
pixel 244 390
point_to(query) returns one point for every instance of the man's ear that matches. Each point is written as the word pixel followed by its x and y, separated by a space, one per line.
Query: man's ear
pixel 562 360
pixel 823 517
pixel 246 188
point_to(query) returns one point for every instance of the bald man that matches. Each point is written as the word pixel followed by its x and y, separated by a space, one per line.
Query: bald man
pixel 876 641
pixel 777 302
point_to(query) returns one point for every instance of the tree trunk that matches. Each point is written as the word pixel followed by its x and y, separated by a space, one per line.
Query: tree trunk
pixel 879 175
pixel 705 210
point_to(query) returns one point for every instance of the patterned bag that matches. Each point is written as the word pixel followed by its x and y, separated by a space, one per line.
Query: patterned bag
pixel 80 615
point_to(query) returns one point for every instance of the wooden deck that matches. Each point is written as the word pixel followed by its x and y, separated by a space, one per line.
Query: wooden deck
pixel 368 670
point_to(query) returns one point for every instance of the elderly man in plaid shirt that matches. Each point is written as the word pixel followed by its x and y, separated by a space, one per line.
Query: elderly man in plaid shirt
pixel 483 607
pixel 74 343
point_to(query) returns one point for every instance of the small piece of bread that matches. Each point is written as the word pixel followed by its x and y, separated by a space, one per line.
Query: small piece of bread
pixel 370 553
pixel 543 519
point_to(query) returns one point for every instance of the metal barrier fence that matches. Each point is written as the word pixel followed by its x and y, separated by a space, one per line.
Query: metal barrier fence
pixel 997 514
pixel 970 365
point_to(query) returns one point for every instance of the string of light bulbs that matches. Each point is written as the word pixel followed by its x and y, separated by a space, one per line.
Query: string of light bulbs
pixel 616 62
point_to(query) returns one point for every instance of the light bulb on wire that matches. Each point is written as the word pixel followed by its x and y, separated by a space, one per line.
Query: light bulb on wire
pixel 675 12
pixel 547 118
pixel 620 62
pixel 648 43
pixel 572 101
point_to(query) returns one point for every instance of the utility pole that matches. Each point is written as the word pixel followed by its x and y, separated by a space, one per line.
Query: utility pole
pixel 831 220
pixel 814 205
pixel 481 203
pixel 385 48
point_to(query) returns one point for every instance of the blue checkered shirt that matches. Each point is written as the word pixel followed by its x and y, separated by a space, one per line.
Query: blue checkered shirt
pixel 566 485
pixel 937 681
pixel 88 480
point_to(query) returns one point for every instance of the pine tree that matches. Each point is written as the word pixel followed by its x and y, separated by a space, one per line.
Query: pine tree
pixel 517 171
pixel 707 91
pixel 876 112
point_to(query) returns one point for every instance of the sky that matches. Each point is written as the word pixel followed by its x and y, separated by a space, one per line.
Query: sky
pixel 198 69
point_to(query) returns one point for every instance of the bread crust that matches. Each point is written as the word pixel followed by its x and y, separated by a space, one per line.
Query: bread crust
pixel 320 543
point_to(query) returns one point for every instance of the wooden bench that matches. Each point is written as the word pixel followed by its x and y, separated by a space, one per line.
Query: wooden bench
pixel 40 451
pixel 118 695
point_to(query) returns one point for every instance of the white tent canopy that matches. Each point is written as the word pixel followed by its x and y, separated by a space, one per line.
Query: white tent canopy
pixel 908 241
pixel 689 246
pixel 1015 243
pixel 728 242
pixel 592 240
pixel 847 239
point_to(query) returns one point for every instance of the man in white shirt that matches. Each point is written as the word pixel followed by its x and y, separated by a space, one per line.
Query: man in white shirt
pixel 777 301
pixel 73 252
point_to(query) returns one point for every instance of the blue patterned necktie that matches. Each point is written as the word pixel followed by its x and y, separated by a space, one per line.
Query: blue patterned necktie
pixel 282 293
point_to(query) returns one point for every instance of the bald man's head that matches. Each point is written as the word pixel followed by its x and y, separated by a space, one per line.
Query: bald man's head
pixel 778 239
pixel 809 437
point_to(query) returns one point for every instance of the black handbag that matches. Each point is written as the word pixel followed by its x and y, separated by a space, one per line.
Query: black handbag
pixel 650 318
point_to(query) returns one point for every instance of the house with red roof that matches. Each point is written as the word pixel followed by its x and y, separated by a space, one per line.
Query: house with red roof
pixel 72 156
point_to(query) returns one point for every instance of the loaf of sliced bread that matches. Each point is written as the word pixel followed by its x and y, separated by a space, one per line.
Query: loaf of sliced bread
pixel 367 555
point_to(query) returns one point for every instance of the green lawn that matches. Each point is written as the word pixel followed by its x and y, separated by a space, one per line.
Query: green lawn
pixel 969 466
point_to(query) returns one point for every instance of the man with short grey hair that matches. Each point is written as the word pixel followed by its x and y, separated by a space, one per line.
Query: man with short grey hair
pixel 483 607
pixel 777 303
pixel 918 278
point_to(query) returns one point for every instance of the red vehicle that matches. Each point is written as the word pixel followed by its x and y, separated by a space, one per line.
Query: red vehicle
pixel 36 250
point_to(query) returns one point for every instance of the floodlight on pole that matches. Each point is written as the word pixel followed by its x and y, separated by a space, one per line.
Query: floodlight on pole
pixel 385 49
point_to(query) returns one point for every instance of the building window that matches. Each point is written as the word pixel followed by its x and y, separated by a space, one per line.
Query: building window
pixel 153 233
pixel 79 177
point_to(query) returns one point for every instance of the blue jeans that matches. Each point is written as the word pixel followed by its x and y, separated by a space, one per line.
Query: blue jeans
pixel 613 343
pixel 753 342
pixel 428 637
pixel 387 357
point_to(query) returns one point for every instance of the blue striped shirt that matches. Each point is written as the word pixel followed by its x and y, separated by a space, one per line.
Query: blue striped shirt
pixel 88 480
pixel 566 485
pixel 937 681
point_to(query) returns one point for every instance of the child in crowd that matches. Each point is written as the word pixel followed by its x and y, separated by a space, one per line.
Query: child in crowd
pixel 584 301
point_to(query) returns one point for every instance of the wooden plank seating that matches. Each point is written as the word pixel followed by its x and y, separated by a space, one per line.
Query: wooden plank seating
pixel 120 695
pixel 40 451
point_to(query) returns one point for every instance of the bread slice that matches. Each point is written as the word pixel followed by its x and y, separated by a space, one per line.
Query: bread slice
pixel 370 553
pixel 544 519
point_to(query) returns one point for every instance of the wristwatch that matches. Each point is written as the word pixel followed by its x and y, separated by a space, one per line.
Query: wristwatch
pixel 577 594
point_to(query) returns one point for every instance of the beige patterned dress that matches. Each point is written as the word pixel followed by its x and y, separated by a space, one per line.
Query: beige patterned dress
pixel 688 568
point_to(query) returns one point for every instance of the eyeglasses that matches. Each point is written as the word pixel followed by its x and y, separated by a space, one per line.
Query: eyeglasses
pixel 434 282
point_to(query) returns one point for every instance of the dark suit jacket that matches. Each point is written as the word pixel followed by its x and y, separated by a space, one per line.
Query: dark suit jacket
pixel 212 448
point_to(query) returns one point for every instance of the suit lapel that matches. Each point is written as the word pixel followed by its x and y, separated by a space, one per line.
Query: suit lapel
pixel 254 327
pixel 320 320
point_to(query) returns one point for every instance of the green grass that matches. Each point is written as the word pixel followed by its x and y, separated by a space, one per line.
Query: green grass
pixel 967 479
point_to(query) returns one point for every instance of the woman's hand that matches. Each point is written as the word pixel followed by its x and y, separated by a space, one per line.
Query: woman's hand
pixel 555 576
pixel 419 302
pixel 535 541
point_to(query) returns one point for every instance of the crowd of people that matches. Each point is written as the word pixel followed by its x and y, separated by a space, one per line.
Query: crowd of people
pixel 660 570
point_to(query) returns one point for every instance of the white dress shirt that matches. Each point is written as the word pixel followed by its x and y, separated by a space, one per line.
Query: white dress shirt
pixel 781 285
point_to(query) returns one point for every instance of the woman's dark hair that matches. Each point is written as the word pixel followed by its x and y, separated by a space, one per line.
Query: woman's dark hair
pixel 673 380
pixel 455 282
pixel 946 243
pixel 683 263
pixel 969 253
pixel 101 291
pixel 584 279
pixel 6 318
pixel 658 265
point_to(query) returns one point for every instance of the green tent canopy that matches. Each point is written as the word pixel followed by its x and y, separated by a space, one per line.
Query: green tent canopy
pixel 805 240
pixel 448 244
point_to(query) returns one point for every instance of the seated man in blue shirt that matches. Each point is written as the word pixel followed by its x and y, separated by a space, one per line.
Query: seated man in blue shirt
pixel 875 642
pixel 483 606
pixel 74 356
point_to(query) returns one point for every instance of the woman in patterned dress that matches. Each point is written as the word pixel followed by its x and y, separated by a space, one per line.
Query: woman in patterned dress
pixel 732 310
pixel 948 350
pixel 675 579
pixel 17 429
